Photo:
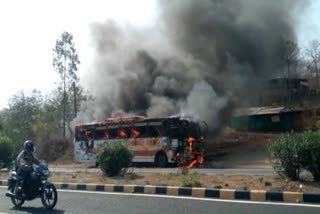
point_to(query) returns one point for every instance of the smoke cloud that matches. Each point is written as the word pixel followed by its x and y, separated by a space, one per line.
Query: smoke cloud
pixel 200 59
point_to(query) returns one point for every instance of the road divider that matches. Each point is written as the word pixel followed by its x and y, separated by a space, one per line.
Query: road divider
pixel 230 194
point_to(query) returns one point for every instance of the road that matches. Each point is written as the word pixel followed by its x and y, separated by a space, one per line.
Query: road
pixel 90 202
pixel 251 171
pixel 235 171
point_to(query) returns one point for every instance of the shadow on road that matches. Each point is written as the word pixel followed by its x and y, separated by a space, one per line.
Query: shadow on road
pixel 38 210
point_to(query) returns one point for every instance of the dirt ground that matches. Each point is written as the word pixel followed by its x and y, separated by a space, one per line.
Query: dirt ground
pixel 239 150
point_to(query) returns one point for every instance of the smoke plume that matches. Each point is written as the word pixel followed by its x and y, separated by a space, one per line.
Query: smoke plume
pixel 200 59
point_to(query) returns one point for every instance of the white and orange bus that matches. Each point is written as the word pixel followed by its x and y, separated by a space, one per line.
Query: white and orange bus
pixel 152 140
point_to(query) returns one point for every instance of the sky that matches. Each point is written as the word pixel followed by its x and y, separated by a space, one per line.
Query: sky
pixel 30 28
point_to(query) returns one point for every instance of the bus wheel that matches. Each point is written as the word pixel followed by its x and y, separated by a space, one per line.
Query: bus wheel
pixel 161 160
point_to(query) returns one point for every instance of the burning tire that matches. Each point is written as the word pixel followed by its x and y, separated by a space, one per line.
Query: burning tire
pixel 161 160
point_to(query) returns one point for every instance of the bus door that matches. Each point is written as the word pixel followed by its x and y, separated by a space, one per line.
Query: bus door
pixel 154 140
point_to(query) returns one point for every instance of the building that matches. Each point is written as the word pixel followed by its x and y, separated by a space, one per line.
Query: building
pixel 268 119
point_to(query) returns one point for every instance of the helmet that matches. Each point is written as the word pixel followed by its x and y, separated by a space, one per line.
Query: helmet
pixel 28 146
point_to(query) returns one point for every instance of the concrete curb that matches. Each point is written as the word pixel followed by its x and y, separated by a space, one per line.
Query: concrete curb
pixel 229 194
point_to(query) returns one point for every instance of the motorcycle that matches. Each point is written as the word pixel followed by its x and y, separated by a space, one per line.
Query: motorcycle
pixel 36 186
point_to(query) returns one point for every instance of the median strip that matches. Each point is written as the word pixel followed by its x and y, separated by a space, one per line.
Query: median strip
pixel 230 194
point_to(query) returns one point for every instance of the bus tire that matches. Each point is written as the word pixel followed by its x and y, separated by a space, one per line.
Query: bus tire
pixel 161 160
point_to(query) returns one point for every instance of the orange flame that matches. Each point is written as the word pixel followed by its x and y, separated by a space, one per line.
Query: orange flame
pixel 196 157
pixel 123 133
pixel 135 133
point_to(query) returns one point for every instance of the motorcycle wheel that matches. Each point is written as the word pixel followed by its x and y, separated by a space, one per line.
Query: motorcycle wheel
pixel 49 196
pixel 17 190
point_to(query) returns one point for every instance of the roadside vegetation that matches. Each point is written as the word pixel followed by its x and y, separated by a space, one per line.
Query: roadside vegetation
pixel 293 152
pixel 113 158
pixel 46 120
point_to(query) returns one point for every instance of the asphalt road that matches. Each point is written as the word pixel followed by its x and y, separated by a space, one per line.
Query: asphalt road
pixel 81 202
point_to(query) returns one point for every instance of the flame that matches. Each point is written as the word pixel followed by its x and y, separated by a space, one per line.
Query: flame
pixel 196 157
pixel 135 133
pixel 106 135
pixel 192 164
pixel 123 133
pixel 190 141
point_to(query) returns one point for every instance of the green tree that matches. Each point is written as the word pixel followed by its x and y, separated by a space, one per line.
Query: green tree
pixel 6 150
pixel 65 62
pixel 17 120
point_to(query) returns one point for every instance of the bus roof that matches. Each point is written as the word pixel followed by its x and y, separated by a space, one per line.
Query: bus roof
pixel 135 119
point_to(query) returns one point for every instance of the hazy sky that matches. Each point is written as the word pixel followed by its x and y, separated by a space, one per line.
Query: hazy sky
pixel 29 30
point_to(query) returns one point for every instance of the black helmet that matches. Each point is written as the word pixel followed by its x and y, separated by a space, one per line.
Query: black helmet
pixel 28 146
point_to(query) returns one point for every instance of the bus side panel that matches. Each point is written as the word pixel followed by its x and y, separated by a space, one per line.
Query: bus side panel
pixel 146 149
pixel 85 152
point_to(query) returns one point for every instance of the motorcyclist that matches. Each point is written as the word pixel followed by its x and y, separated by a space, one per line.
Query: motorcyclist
pixel 25 161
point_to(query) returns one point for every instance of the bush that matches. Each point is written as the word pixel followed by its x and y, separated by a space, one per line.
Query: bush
pixel 311 153
pixel 287 152
pixel 112 157
pixel 6 151
pixel 192 180
pixel 292 152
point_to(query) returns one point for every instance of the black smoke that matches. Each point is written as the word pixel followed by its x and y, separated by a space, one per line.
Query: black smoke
pixel 202 58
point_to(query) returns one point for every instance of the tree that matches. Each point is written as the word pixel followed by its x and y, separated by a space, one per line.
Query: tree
pixel 6 150
pixel 65 62
pixel 291 59
pixel 313 54
pixel 18 120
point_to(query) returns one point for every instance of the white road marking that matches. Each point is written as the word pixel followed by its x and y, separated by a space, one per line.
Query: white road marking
pixel 191 198
pixel 194 198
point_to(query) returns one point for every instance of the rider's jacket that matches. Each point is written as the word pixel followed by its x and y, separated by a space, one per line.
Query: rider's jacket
pixel 26 159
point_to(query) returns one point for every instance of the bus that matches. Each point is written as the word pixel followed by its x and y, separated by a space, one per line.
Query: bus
pixel 160 141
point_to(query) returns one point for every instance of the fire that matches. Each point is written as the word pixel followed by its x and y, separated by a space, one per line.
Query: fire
pixel 123 133
pixel 196 158
pixel 190 141
pixel 106 135
pixel 135 133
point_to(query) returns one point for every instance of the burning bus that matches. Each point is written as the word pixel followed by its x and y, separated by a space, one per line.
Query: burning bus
pixel 152 140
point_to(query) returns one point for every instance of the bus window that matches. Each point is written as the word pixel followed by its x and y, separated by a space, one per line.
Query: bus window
pixel 112 133
pixel 99 134
pixel 154 131
pixel 135 132
pixel 89 135
pixel 79 135
pixel 139 132
pixel 124 132
pixel 173 133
